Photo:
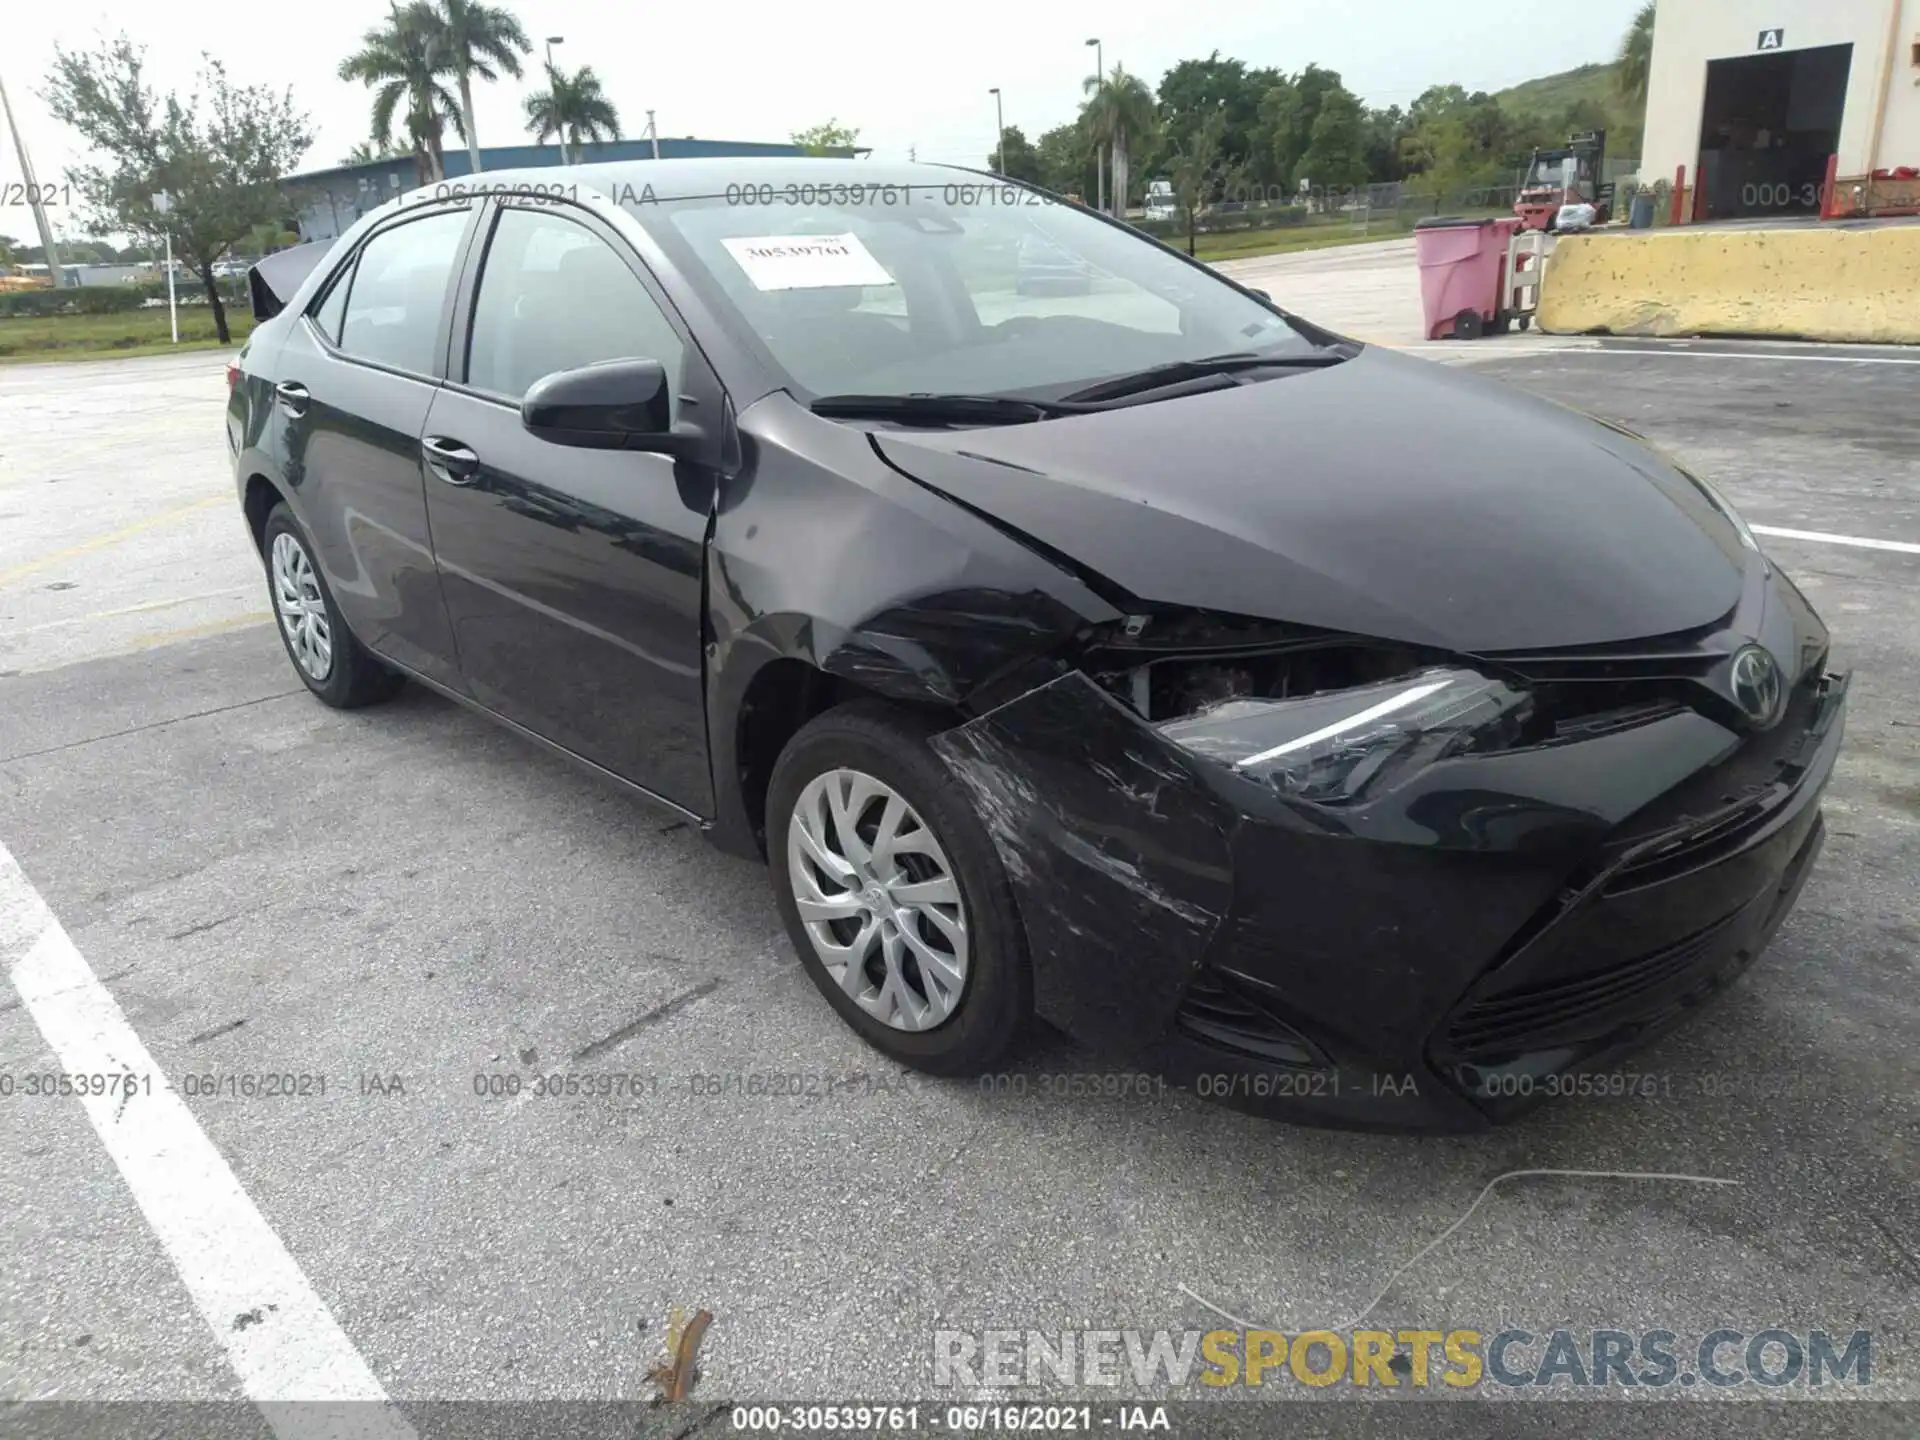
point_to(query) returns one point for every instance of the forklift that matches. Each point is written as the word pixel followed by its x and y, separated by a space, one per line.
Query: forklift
pixel 1569 175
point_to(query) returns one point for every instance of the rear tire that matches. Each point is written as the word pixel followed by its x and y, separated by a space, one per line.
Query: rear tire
pixel 326 657
pixel 868 941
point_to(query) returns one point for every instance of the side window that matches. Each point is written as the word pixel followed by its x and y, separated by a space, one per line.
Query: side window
pixel 399 285
pixel 327 315
pixel 554 296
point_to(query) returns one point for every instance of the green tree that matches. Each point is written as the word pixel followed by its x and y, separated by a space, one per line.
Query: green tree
pixel 1635 63
pixel 1287 114
pixel 483 40
pixel 270 235
pixel 219 154
pixel 1336 155
pixel 1457 139
pixel 574 108
pixel 369 152
pixel 87 251
pixel 1196 169
pixel 1194 91
pixel 829 137
pixel 1386 129
pixel 406 62
pixel 1020 160
pixel 1066 155
pixel 1120 112
pixel 8 250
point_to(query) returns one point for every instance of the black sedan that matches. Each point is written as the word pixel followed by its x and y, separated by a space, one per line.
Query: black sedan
pixel 1149 659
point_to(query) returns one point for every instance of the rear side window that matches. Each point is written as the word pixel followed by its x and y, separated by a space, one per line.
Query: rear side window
pixel 399 285
pixel 555 296
pixel 327 315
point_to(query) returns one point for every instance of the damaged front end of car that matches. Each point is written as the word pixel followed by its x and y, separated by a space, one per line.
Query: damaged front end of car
pixel 1363 883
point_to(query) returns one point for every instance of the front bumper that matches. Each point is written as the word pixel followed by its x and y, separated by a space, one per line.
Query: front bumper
pixel 1415 964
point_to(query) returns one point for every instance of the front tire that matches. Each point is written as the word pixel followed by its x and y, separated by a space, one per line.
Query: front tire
pixel 333 665
pixel 893 894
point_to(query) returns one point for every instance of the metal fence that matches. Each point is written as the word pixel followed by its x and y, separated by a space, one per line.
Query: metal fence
pixel 1388 206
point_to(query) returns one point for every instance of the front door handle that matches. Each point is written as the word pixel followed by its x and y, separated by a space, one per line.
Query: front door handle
pixel 292 397
pixel 450 460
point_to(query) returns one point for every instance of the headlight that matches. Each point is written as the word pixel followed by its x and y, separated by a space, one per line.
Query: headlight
pixel 1342 746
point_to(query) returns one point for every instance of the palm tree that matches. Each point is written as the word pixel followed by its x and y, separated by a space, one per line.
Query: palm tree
pixel 406 60
pixel 481 40
pixel 1120 111
pixel 1635 62
pixel 368 152
pixel 573 108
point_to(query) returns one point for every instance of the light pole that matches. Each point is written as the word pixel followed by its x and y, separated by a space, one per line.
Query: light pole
pixel 163 205
pixel 653 134
pixel 1099 171
pixel 999 133
pixel 561 136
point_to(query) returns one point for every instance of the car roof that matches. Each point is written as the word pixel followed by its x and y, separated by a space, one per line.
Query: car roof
pixel 695 178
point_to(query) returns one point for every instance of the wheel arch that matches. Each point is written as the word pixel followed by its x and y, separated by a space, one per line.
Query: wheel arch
pixel 760 709
pixel 256 502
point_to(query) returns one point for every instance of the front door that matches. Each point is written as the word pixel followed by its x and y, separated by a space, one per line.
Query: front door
pixel 572 576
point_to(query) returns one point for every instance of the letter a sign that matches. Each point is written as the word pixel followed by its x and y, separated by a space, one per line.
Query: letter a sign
pixel 1773 39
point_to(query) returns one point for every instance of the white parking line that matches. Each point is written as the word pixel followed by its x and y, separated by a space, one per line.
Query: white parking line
pixel 1663 351
pixel 1821 537
pixel 283 1343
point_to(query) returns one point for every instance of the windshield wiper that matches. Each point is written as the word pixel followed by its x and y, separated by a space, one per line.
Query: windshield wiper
pixel 944 409
pixel 1156 377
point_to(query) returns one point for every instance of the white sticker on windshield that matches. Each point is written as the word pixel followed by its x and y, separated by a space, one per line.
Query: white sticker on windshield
pixel 805 262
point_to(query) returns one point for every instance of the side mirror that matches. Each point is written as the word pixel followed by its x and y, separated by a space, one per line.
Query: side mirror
pixel 612 405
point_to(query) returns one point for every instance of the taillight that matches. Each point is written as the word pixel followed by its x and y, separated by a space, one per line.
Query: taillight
pixel 233 374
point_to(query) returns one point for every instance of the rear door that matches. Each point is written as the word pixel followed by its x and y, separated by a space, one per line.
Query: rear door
pixel 573 576
pixel 355 380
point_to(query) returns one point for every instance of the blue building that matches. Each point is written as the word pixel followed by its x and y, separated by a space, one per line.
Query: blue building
pixel 327 202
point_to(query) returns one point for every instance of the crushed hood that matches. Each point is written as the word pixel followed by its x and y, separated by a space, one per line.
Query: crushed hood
pixel 1387 496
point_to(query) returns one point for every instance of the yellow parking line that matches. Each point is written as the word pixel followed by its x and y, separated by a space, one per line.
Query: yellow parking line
pixel 112 537
pixel 195 632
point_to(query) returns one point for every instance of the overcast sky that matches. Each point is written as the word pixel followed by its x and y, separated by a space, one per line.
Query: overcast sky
pixel 906 73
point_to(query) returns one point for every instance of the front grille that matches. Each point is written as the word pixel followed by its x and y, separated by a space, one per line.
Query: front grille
pixel 1718 836
pixel 1720 810
pixel 1221 1014
pixel 1585 1007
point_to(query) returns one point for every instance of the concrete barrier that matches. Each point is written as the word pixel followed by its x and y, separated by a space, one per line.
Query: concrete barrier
pixel 1814 284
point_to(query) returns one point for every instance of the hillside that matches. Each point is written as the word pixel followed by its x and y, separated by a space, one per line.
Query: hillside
pixel 1552 94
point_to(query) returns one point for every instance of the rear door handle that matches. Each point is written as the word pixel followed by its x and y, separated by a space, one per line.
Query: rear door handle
pixel 450 460
pixel 292 397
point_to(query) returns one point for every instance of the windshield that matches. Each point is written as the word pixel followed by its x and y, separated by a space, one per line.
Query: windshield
pixel 966 287
pixel 1547 170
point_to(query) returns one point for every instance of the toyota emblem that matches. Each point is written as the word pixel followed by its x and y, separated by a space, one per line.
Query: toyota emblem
pixel 1754 680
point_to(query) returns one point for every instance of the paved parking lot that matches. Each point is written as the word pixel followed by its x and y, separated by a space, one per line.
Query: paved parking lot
pixel 1370 291
pixel 426 912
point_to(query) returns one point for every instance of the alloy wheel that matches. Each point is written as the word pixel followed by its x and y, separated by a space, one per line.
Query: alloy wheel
pixel 878 899
pixel 303 610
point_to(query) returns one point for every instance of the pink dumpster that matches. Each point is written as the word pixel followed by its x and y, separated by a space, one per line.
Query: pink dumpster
pixel 1460 265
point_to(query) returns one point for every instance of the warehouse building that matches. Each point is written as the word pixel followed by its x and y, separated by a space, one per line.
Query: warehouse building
pixel 327 202
pixel 1754 97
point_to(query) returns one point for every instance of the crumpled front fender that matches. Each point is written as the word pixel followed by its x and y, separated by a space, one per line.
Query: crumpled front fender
pixel 1116 846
